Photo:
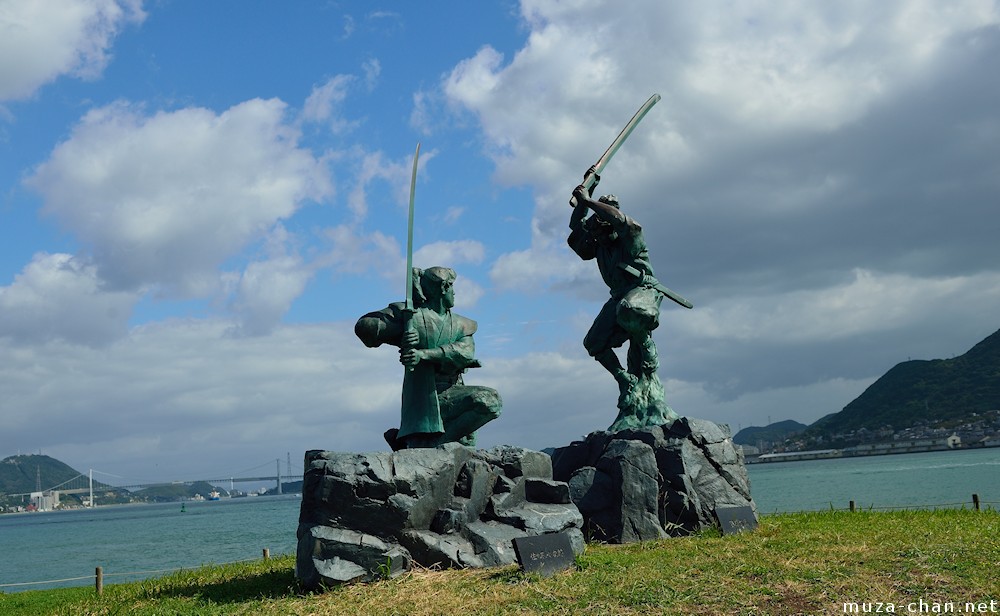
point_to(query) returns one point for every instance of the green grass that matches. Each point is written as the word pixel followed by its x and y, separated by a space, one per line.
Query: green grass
pixel 810 563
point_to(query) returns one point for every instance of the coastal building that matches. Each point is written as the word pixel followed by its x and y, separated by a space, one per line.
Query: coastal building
pixel 869 449
pixel 749 450
pixel 795 456
pixel 45 501
pixel 905 446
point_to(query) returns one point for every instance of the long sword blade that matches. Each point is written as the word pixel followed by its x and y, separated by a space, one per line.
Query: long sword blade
pixel 622 136
pixel 409 233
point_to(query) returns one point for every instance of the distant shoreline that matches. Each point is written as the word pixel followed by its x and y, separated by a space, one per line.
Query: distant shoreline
pixel 834 454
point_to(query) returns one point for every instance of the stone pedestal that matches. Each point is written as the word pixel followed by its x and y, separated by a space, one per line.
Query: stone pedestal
pixel 369 515
pixel 637 485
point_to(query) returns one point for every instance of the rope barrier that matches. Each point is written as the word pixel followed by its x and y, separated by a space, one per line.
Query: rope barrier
pixel 90 577
pixel 976 503
pixel 74 579
pixel 891 507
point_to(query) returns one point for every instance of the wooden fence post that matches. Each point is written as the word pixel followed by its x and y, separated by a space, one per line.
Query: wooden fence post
pixel 99 580
pixel 267 554
pixel 852 506
pixel 975 502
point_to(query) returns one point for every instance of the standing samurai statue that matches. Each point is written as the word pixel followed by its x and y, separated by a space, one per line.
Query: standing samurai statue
pixel 436 347
pixel 632 312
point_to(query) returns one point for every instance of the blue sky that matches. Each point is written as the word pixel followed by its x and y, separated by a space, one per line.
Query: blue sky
pixel 197 201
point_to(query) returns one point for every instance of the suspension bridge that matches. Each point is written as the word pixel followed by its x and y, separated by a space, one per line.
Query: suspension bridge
pixel 85 483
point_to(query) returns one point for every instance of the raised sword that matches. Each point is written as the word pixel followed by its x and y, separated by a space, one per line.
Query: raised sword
pixel 408 303
pixel 595 171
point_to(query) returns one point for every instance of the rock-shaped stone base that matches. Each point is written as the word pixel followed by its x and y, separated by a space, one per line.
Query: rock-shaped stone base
pixel 637 485
pixel 370 515
pixel 643 405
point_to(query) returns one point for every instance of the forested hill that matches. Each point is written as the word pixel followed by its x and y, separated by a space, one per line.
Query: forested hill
pixel 20 474
pixel 930 391
pixel 773 433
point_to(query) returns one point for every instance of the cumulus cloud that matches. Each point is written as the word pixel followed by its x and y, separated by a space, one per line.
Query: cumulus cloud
pixel 41 40
pixel 244 399
pixel 268 287
pixel 450 253
pixel 354 252
pixel 165 198
pixel 818 179
pixel 58 296
pixel 738 85
pixel 781 132
pixel 536 270
pixel 815 181
pixel 862 306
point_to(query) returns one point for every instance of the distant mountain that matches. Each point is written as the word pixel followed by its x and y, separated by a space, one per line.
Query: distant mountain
pixel 176 492
pixel 287 487
pixel 773 433
pixel 21 474
pixel 918 391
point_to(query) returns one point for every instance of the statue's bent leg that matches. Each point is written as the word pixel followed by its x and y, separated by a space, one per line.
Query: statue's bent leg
pixel 639 314
pixel 603 337
pixel 465 409
pixel 642 355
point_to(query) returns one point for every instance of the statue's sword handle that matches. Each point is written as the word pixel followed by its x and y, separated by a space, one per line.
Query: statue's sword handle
pixel 408 308
pixel 599 166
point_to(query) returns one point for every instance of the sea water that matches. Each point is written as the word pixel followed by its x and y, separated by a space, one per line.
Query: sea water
pixel 139 541
pixel 913 480
pixel 145 541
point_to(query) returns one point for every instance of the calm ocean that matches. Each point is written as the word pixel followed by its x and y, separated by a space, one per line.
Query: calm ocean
pixel 126 539
pixel 922 480
pixel 141 538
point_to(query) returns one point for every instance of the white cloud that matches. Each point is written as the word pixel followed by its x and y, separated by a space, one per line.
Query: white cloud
pixel 41 40
pixel 473 80
pixel 467 293
pixel 59 296
pixel 735 79
pixel 535 270
pixel 372 69
pixel 449 253
pixel 321 105
pixel 194 400
pixel 165 199
pixel 266 291
pixel 372 167
pixel 867 304
pixel 354 252
pixel 789 182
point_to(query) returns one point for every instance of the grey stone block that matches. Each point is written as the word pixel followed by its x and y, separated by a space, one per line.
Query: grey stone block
pixel 328 556
pixel 676 474
pixel 449 506
pixel 546 491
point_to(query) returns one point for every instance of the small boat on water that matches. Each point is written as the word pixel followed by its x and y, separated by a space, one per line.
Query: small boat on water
pixel 214 495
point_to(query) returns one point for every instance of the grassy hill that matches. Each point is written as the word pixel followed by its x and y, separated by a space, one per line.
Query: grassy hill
pixel 20 474
pixel 915 392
